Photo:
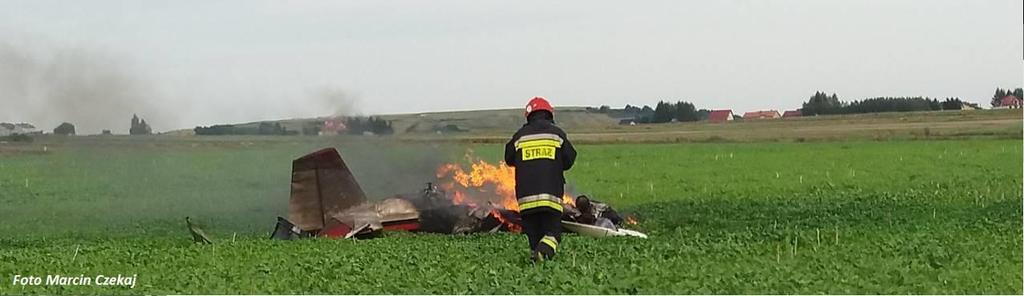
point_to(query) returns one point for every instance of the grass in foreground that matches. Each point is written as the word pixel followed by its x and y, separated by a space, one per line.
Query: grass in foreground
pixel 879 217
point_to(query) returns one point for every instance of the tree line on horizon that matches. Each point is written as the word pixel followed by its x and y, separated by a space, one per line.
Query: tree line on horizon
pixel 263 128
pixel 664 111
pixel 823 104
pixel 820 103
pixel 353 126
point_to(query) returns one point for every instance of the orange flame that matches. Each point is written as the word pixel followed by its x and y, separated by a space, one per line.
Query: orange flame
pixel 568 200
pixel 512 226
pixel 484 180
pixel 459 198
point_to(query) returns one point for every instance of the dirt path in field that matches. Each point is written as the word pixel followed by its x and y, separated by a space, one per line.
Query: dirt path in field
pixel 780 130
pixel 915 125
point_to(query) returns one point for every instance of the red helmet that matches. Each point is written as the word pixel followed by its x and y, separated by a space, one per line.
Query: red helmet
pixel 538 104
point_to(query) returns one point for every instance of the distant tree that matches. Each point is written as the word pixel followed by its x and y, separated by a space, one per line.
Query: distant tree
pixel 826 105
pixel 355 125
pixel 64 129
pixel 821 103
pixel 375 125
pixel 703 114
pixel 267 128
pixel 952 104
pixel 312 128
pixel 663 112
pixel 685 111
pixel 997 97
pixel 646 115
pixel 139 126
pixel 934 104
pixel 222 129
pixel 604 109
pixel 888 104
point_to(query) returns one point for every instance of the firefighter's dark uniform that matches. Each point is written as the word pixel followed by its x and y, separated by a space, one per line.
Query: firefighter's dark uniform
pixel 540 151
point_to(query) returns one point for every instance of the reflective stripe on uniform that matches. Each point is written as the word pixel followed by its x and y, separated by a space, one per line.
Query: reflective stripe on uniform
pixel 538 146
pixel 540 197
pixel 534 137
pixel 550 241
pixel 540 203
pixel 538 143
pixel 540 200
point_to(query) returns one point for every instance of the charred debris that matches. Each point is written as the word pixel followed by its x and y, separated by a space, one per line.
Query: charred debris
pixel 326 201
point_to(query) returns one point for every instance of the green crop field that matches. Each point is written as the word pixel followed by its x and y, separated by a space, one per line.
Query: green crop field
pixel 892 217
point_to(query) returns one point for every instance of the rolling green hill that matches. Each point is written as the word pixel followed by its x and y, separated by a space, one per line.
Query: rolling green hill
pixel 471 121
pixel 591 126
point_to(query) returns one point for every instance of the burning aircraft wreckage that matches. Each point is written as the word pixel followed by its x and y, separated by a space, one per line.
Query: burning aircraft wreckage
pixel 326 201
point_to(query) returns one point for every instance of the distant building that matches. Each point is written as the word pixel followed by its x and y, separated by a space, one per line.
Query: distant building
pixel 969 106
pixel 769 114
pixel 627 121
pixel 720 115
pixel 333 126
pixel 792 113
pixel 1009 102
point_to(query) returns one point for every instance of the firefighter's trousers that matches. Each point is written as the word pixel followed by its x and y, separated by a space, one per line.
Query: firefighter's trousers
pixel 543 228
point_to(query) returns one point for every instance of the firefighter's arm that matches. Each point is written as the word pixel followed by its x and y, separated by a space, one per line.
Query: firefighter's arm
pixel 510 152
pixel 568 154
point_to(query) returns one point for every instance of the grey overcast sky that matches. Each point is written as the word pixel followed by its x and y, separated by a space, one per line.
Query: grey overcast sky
pixel 185 63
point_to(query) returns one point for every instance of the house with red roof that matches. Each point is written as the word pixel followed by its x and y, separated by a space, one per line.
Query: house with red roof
pixel 333 126
pixel 768 114
pixel 1009 102
pixel 720 115
pixel 792 113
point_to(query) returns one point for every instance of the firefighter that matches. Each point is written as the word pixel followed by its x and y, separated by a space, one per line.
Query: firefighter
pixel 540 152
